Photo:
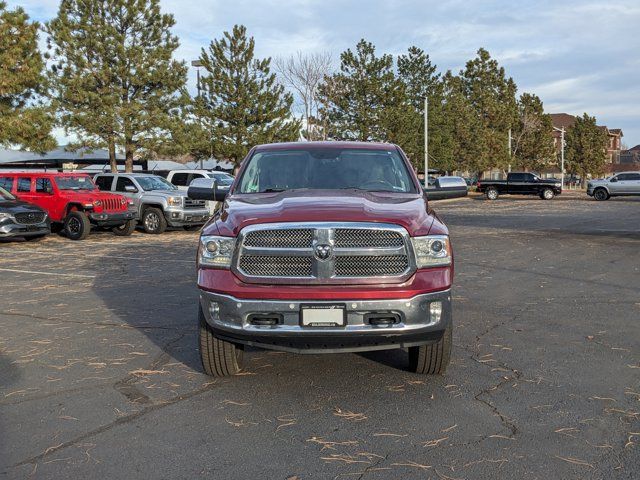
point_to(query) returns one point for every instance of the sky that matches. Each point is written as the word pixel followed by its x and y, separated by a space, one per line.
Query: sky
pixel 577 56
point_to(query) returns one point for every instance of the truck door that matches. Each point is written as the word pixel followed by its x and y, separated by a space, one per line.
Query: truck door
pixel 515 183
pixel 634 183
pixel 617 184
pixel 529 183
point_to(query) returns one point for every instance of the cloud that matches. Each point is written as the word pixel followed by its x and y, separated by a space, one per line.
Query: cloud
pixel 577 55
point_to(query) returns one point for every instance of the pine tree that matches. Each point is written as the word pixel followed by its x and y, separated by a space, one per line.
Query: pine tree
pixel 532 136
pixel 241 104
pixel 115 82
pixel 421 80
pixel 24 121
pixel 364 100
pixel 493 97
pixel 586 147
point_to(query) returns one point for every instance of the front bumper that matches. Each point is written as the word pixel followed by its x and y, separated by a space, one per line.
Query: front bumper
pixel 105 219
pixel 230 320
pixel 187 217
pixel 9 228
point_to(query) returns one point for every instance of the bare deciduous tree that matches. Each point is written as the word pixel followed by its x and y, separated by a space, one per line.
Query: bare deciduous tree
pixel 303 73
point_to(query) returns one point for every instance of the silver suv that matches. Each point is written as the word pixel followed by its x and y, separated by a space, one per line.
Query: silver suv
pixel 623 183
pixel 158 203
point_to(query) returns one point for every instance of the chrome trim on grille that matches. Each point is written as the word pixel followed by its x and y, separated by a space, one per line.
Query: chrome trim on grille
pixel 359 253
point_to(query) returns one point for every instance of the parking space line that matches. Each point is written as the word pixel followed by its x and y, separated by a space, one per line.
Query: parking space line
pixel 77 275
pixel 120 257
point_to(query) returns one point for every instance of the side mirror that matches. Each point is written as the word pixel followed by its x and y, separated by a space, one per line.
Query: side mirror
pixel 130 189
pixel 447 187
pixel 49 189
pixel 206 189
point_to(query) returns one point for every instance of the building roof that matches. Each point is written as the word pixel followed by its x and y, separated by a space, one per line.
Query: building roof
pixel 635 149
pixel 616 131
pixel 82 155
pixel 560 120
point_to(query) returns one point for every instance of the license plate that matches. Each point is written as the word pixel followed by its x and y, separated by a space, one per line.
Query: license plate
pixel 323 315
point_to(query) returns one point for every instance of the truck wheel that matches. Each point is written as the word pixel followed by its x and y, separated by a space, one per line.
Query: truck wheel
pixel 492 193
pixel 153 220
pixel 601 194
pixel 431 359
pixel 219 358
pixel 126 229
pixel 77 226
pixel 547 194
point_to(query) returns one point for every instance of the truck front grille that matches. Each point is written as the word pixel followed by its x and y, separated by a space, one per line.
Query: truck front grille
pixel 194 204
pixel 30 218
pixel 284 253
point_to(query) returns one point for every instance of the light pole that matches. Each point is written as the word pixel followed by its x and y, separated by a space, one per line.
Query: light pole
pixel 426 142
pixel 197 64
pixel 561 130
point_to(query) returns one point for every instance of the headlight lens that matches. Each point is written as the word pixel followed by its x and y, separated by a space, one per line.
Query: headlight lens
pixel 174 201
pixel 432 251
pixel 97 203
pixel 216 251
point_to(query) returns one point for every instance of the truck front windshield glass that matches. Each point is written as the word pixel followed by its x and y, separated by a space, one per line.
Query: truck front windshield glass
pixel 74 183
pixel 4 195
pixel 326 169
pixel 155 183
pixel 223 179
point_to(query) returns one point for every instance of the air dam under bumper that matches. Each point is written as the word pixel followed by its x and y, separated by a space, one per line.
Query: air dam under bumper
pixel 230 321
pixel 106 219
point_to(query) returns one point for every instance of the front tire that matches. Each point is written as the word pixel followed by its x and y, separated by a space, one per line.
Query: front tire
pixel 432 359
pixel 547 194
pixel 601 194
pixel 77 226
pixel 153 221
pixel 492 193
pixel 126 229
pixel 219 358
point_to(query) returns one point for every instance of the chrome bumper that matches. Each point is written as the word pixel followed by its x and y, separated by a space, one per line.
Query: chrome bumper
pixel 228 317
pixel 187 217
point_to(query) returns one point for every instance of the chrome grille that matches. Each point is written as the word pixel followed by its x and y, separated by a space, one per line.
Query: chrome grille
pixel 282 253
pixel 276 266
pixel 190 203
pixel 370 266
pixel 30 218
pixel 366 238
pixel 289 238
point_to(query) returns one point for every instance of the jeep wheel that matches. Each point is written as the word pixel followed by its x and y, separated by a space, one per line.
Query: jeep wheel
pixel 219 358
pixel 601 194
pixel 492 193
pixel 77 226
pixel 126 229
pixel 431 359
pixel 153 220
pixel 547 194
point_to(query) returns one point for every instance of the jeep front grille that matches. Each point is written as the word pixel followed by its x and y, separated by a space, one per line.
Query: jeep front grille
pixel 286 253
pixel 112 204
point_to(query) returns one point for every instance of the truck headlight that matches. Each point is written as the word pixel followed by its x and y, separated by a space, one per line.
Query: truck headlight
pixel 4 216
pixel 174 201
pixel 432 251
pixel 216 251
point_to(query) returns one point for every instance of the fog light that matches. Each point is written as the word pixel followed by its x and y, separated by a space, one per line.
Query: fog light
pixel 435 311
pixel 214 310
pixel 175 214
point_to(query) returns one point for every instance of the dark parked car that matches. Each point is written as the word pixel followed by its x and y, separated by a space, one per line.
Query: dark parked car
pixel 21 219
pixel 520 184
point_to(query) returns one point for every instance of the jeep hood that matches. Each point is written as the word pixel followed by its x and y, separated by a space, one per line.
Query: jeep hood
pixel 405 209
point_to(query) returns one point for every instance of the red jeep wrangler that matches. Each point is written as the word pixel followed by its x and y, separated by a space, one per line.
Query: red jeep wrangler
pixel 73 201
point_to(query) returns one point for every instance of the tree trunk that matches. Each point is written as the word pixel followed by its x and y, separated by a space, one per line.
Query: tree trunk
pixel 128 162
pixel 113 162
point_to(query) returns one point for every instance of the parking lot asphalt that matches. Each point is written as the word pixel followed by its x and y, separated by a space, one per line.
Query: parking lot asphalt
pixel 100 374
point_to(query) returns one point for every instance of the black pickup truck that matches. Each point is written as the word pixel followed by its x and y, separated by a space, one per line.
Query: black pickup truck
pixel 520 184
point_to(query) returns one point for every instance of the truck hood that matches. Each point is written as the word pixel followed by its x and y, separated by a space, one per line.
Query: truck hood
pixel 166 193
pixel 405 209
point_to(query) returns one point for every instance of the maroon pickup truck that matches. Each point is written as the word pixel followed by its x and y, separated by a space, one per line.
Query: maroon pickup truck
pixel 324 247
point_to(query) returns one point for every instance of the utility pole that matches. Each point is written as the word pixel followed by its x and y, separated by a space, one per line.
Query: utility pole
pixel 426 142
pixel 510 150
pixel 561 130
pixel 198 64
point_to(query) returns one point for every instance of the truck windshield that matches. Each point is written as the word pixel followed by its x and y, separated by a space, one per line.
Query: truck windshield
pixel 326 169
pixel 223 179
pixel 4 195
pixel 155 183
pixel 74 183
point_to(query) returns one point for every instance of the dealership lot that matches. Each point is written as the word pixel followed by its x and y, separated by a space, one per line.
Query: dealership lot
pixel 100 374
